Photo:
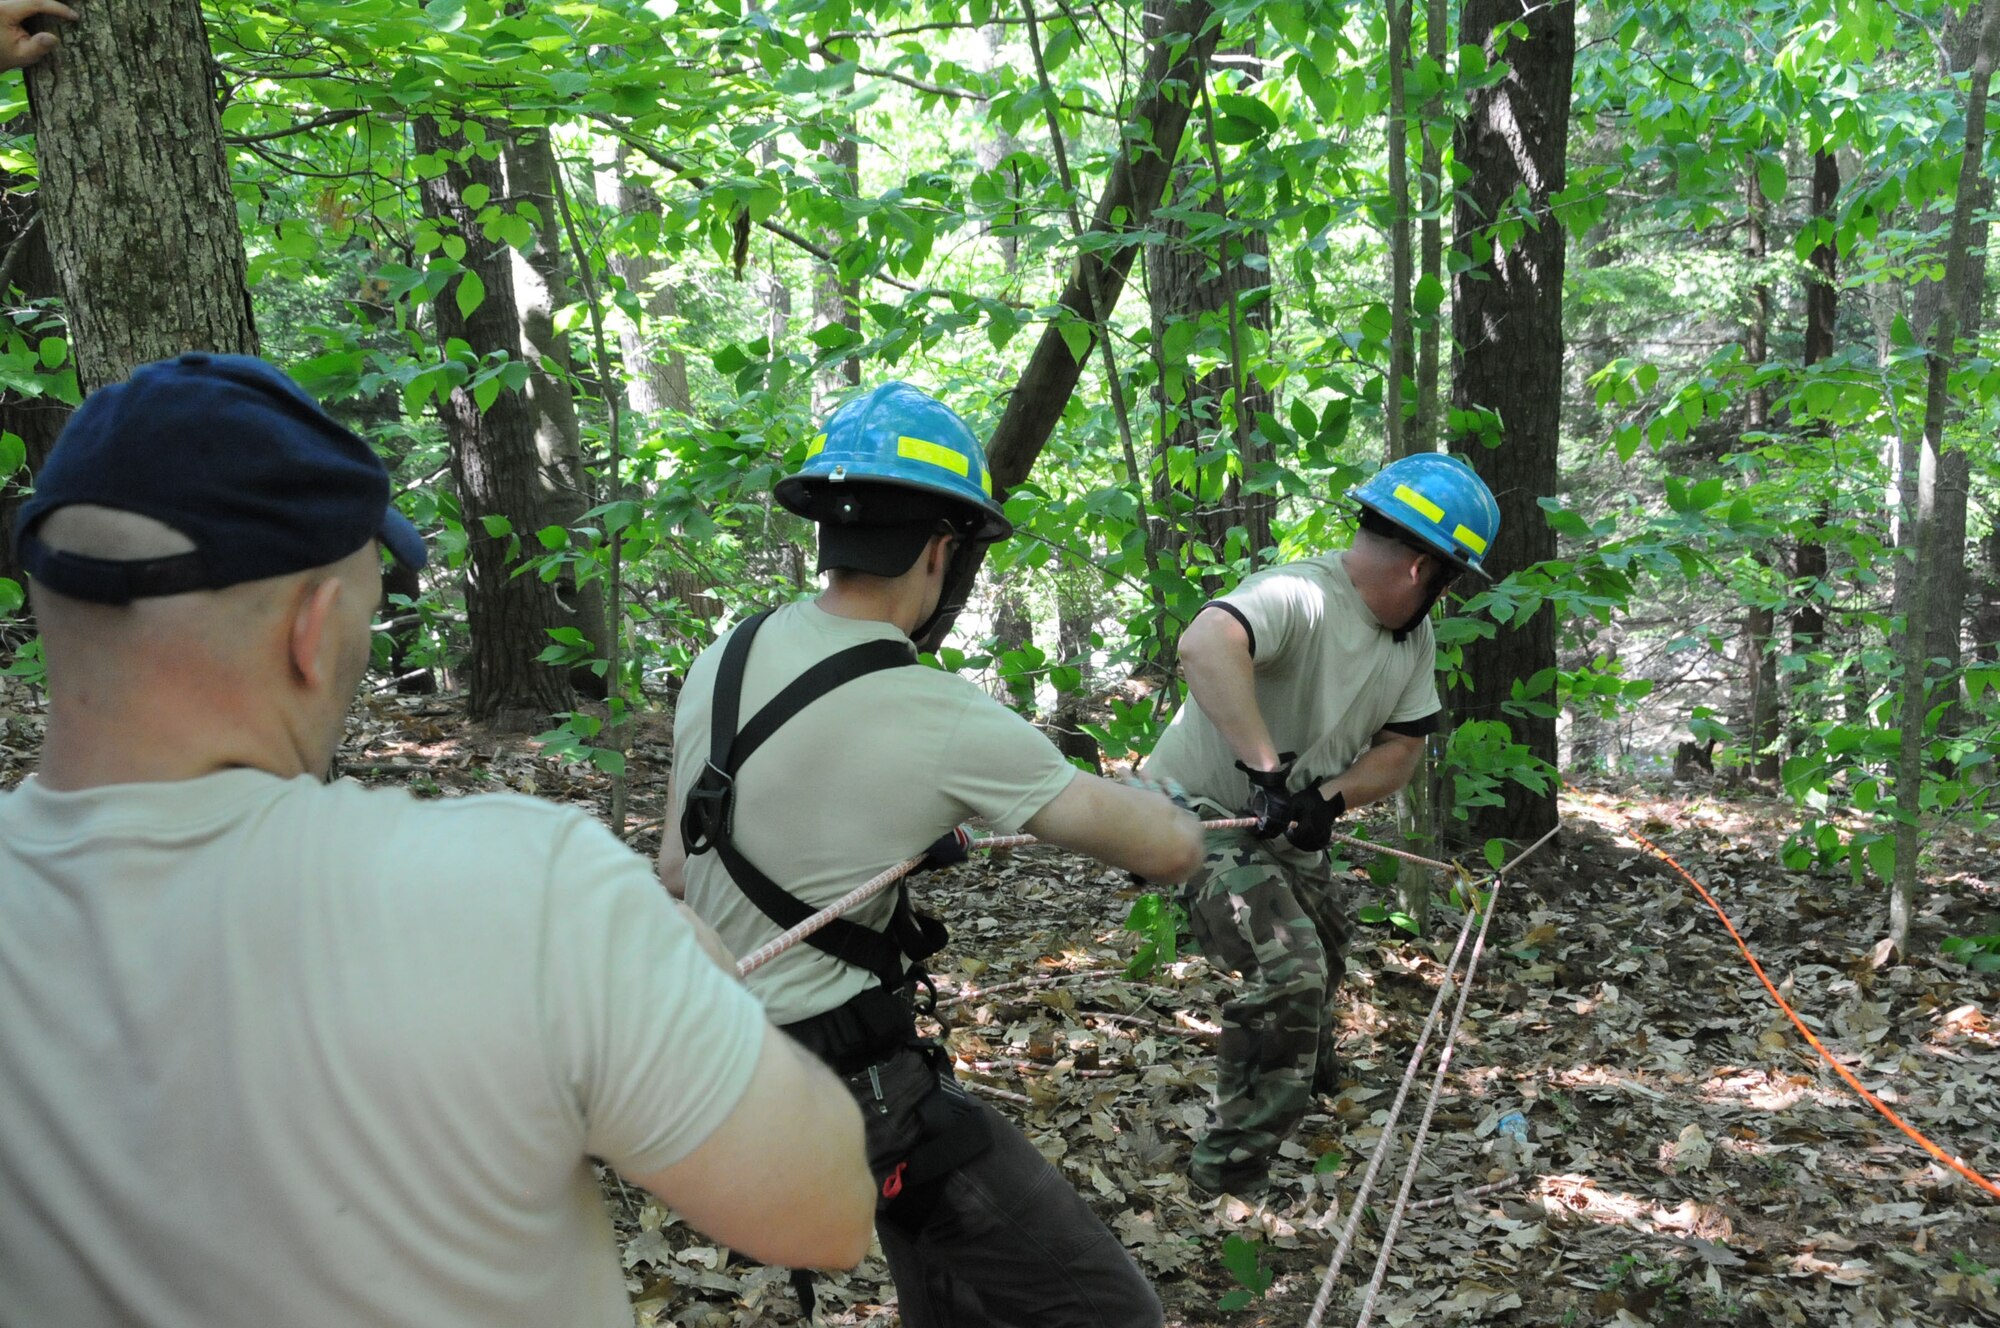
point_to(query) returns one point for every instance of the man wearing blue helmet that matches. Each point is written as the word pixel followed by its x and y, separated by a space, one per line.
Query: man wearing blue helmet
pixel 1310 689
pixel 849 758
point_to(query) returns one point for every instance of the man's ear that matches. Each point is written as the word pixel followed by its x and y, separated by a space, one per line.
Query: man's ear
pixel 937 554
pixel 312 619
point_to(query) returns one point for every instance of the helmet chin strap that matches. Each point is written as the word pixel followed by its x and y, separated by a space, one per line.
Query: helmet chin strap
pixel 1440 581
pixel 966 550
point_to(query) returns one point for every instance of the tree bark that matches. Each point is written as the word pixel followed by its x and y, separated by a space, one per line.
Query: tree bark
pixel 1916 583
pixel 494 463
pixel 1176 62
pixel 135 189
pixel 1761 621
pixel 1192 284
pixel 1822 309
pixel 34 420
pixel 1507 324
pixel 562 484
pixel 1402 347
pixel 837 301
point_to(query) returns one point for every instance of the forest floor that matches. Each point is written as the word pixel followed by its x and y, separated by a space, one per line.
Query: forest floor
pixel 1692 1159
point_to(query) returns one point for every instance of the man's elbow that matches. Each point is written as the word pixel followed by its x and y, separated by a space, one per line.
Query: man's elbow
pixel 1180 852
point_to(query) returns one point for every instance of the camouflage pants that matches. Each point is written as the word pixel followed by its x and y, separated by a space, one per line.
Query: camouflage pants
pixel 1272 915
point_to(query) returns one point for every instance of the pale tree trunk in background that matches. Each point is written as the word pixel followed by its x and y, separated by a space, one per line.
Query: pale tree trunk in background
pixel 494 465
pixel 540 288
pixel 1415 808
pixel 995 145
pixel 1507 324
pixel 135 192
pixel 1917 585
pixel 1422 812
pixel 1760 621
pixel 837 302
pixel 1946 563
pixel 1822 309
pixel 656 380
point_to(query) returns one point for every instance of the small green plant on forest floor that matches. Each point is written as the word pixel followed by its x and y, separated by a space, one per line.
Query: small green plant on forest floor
pixel 1971 1267
pixel 1159 923
pixel 1244 1259
pixel 1981 954
pixel 1376 914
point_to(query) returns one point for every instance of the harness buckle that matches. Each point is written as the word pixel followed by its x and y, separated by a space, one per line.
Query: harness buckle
pixel 709 816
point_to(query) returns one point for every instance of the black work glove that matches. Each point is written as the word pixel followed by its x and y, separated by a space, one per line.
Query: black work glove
pixel 948 850
pixel 1270 801
pixel 1313 817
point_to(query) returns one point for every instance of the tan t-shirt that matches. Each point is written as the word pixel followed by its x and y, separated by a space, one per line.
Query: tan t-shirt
pixel 864 777
pixel 1328 678
pixel 273 1052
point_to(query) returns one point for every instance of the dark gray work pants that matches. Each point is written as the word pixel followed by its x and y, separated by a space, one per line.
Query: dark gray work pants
pixel 1008 1242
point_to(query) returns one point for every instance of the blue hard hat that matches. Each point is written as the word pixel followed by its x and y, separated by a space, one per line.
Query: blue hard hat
pixel 1441 501
pixel 894 441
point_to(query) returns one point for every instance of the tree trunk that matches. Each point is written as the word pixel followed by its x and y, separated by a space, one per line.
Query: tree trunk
pixel 1761 622
pixel 1430 254
pixel 1176 63
pixel 1822 308
pixel 1192 284
pixel 34 420
pixel 996 144
pixel 656 379
pixel 1916 581
pixel 1946 564
pixel 135 189
pixel 562 484
pixel 494 463
pixel 1508 359
pixel 1402 348
pixel 837 302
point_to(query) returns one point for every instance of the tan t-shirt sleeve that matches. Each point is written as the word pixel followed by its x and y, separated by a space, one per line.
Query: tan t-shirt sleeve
pixel 1281 607
pixel 650 1043
pixel 998 764
pixel 1420 694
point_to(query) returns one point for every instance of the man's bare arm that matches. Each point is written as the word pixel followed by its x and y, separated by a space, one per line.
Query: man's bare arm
pixel 19 47
pixel 785 1178
pixel 1221 677
pixel 1132 828
pixel 673 858
pixel 1378 772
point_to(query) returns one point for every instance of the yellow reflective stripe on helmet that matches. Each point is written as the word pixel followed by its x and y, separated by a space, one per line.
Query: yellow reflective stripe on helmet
pixel 816 446
pixel 1421 503
pixel 917 449
pixel 1469 540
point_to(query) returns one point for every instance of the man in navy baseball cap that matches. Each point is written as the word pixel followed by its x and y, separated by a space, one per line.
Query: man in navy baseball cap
pixel 226 451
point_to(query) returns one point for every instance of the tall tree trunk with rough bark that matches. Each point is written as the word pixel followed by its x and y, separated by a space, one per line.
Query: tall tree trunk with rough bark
pixel 135 189
pixel 493 460
pixel 1917 583
pixel 1211 288
pixel 34 420
pixel 562 484
pixel 656 369
pixel 1508 360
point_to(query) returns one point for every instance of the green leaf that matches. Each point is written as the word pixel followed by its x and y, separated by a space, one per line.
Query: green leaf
pixel 477 195
pixel 497 527
pixel 14 455
pixel 1771 177
pixel 1496 853
pixel 1429 294
pixel 12 597
pixel 471 294
pixel 54 352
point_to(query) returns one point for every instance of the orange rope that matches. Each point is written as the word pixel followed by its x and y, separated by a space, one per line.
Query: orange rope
pixel 1888 1113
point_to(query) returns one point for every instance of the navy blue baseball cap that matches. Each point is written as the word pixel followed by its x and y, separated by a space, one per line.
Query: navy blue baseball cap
pixel 229 452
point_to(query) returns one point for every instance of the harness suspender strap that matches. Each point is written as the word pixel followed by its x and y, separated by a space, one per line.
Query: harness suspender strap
pixel 708 820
